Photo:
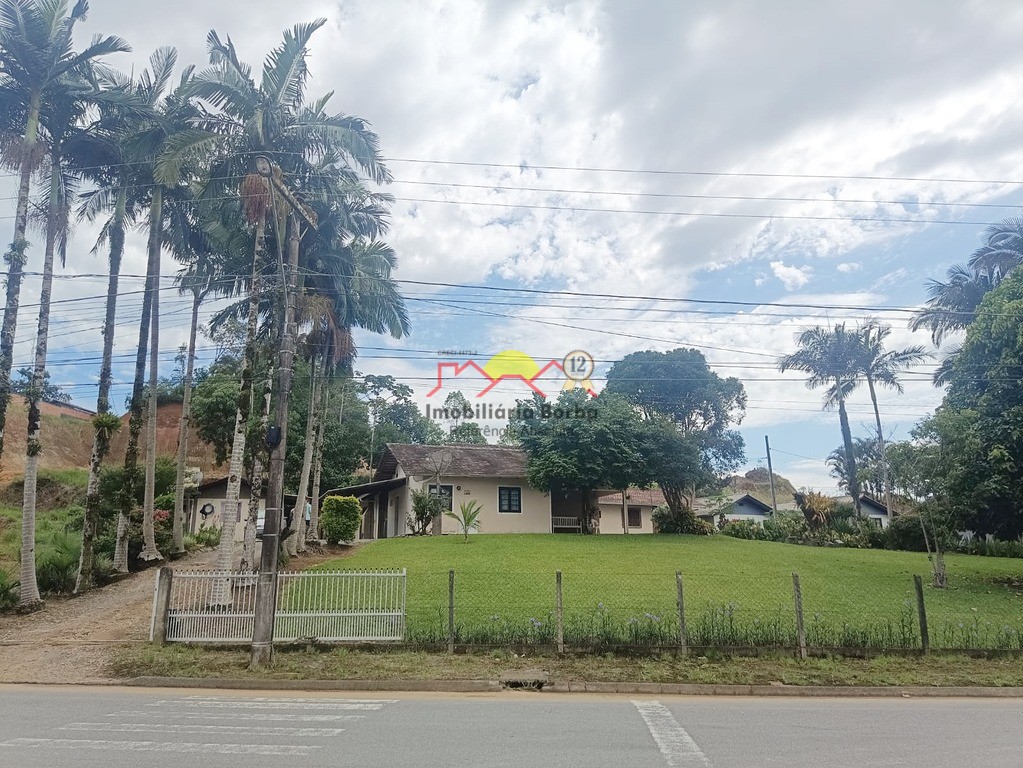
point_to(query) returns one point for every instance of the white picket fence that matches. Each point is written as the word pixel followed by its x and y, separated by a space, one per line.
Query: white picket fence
pixel 326 606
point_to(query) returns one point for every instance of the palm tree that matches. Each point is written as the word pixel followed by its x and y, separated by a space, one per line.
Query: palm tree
pixel 36 55
pixel 831 357
pixel 881 367
pixel 952 305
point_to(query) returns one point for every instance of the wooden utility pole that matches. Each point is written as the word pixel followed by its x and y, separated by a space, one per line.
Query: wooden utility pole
pixel 770 473
pixel 277 434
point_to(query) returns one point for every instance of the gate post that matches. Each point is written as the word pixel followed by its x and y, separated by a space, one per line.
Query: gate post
pixel 161 605
pixel 451 611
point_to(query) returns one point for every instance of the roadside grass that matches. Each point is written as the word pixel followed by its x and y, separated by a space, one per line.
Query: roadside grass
pixel 622 590
pixel 345 664
pixel 56 511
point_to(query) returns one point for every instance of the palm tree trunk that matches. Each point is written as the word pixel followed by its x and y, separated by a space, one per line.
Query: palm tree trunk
pixel 178 523
pixel 129 481
pixel 256 479
pixel 307 457
pixel 850 456
pixel 103 426
pixel 29 597
pixel 232 503
pixel 15 258
pixel 314 517
pixel 149 551
pixel 885 484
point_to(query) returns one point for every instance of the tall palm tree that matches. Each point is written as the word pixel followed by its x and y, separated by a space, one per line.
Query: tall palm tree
pixel 831 358
pixel 881 367
pixel 36 54
pixel 952 305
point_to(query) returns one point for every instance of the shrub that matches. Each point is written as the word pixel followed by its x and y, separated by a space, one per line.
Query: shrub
pixel 340 518
pixel 904 532
pixel 666 521
pixel 745 529
pixel 816 508
pixel 57 563
pixel 205 537
pixel 164 501
pixel 8 591
pixel 467 517
pixel 425 508
pixel 786 526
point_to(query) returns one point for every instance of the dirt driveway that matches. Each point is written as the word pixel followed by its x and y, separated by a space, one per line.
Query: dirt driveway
pixel 71 639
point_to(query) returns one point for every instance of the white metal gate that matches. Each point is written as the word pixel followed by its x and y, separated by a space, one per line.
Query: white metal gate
pixel 327 606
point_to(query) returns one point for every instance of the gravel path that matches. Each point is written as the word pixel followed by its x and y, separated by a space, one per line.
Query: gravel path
pixel 71 639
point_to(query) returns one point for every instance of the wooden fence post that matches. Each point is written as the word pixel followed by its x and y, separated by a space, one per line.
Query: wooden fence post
pixel 797 594
pixel 561 614
pixel 161 606
pixel 451 611
pixel 683 639
pixel 925 636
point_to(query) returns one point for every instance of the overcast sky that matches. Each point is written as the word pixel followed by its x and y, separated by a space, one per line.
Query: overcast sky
pixel 682 108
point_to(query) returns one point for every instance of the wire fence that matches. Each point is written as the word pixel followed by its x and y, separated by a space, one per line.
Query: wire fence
pixel 602 610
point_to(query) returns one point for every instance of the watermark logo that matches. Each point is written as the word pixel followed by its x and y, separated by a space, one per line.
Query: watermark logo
pixel 576 368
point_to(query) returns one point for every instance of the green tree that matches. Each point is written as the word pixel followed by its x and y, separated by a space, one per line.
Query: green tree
pixel 690 409
pixel 831 357
pixel 468 432
pixel 582 445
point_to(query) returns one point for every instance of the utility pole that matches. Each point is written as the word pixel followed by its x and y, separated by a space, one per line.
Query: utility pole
pixel 277 437
pixel 770 472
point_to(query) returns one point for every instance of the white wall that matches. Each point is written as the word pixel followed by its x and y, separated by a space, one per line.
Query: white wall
pixel 611 518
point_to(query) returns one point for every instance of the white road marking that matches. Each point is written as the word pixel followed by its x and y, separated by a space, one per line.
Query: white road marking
pixel 293 699
pixel 677 746
pixel 284 717
pixel 160 746
pixel 267 704
pixel 248 730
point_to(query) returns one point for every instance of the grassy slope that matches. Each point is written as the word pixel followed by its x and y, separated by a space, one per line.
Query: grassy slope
pixel 58 488
pixel 513 577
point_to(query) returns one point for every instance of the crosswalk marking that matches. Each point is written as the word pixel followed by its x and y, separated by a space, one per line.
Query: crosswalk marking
pixel 677 747
pixel 162 746
pixel 284 717
pixel 246 730
pixel 267 704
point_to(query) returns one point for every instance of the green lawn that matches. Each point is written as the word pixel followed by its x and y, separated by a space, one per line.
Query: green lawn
pixel 621 590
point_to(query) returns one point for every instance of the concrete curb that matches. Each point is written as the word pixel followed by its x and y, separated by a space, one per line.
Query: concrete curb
pixel 645 689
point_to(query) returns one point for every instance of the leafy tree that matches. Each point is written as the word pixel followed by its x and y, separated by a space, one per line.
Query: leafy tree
pixel 341 518
pixel 468 432
pixel 50 393
pixel 870 478
pixel 689 409
pixel 426 507
pixel 578 444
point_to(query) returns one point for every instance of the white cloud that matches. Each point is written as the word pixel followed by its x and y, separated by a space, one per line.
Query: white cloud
pixel 847 267
pixel 792 277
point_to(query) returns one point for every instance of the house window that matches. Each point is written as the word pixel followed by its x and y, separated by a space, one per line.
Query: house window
pixel 445 493
pixel 635 517
pixel 509 499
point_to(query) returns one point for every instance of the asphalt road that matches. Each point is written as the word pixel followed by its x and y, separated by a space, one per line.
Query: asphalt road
pixel 115 727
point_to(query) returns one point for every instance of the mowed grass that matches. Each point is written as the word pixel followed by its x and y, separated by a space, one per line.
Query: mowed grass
pixel 622 590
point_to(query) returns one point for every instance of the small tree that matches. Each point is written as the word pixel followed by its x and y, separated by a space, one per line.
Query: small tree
pixel 816 508
pixel 426 507
pixel 467 517
pixel 340 518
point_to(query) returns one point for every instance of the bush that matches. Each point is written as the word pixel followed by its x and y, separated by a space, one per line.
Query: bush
pixel 340 518
pixel 425 508
pixel 8 591
pixel 57 564
pixel 904 532
pixel 666 521
pixel 745 529
pixel 786 526
pixel 205 537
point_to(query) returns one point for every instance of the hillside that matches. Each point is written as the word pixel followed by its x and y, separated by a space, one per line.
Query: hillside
pixel 67 439
pixel 757 484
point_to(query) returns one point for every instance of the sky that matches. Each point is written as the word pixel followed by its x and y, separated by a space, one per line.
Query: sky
pixel 808 162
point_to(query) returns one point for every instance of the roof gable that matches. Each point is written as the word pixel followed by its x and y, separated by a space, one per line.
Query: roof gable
pixel 452 460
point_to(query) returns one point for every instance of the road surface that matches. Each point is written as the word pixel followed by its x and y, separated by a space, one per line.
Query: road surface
pixel 123 727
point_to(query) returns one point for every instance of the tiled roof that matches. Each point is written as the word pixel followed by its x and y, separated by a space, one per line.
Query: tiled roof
pixel 640 497
pixel 453 460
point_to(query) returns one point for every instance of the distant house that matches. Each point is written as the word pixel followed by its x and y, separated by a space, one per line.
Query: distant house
pixel 206 508
pixel 738 506
pixel 872 509
pixel 635 515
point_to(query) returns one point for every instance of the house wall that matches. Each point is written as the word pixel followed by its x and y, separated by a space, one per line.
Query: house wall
pixel 611 518
pixel 216 497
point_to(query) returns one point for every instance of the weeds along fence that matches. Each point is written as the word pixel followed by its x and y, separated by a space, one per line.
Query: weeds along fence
pixel 605 610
